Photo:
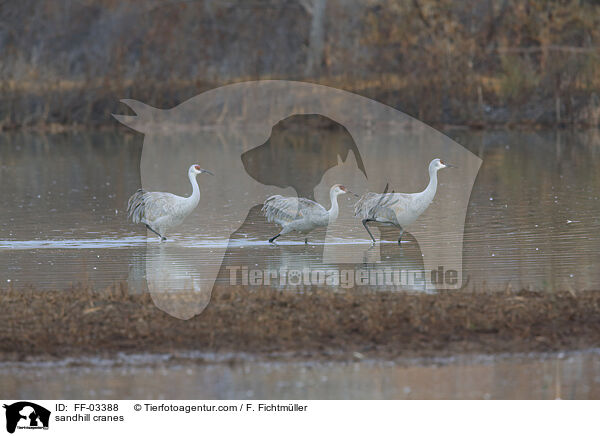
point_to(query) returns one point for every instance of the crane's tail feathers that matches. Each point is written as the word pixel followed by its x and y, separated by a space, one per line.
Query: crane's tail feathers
pixel 370 204
pixel 367 205
pixel 136 206
pixel 269 210
pixel 271 199
pixel 280 210
pixel 359 206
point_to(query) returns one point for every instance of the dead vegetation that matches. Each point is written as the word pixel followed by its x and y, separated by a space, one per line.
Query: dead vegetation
pixel 317 323
pixel 533 62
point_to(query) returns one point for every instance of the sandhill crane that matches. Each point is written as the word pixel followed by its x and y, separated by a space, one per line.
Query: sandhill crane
pixel 301 214
pixel 161 211
pixel 397 209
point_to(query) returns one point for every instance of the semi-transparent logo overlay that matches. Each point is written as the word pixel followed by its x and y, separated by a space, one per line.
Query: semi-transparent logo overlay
pixel 296 139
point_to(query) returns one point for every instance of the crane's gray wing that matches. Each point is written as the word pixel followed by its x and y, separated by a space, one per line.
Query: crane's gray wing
pixel 283 210
pixel 148 206
pixel 384 206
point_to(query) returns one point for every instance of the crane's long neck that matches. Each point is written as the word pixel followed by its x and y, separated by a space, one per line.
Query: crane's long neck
pixel 334 209
pixel 195 197
pixel 429 192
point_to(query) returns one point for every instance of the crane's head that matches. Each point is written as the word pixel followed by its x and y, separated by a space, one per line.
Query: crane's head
pixel 438 164
pixel 341 189
pixel 195 169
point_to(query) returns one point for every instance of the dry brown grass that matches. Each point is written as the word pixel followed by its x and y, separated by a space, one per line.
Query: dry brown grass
pixel 316 324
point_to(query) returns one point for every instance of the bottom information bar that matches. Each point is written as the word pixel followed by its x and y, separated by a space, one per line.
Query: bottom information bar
pixel 298 417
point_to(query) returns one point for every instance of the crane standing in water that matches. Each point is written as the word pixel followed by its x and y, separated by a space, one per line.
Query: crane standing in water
pixel 397 209
pixel 301 214
pixel 161 211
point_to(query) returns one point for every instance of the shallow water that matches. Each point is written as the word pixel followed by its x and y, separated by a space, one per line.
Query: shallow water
pixel 532 220
pixel 564 375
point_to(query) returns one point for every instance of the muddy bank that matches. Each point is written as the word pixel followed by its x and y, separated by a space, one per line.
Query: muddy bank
pixel 283 325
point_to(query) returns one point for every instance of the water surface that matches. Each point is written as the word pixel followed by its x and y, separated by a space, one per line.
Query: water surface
pixel 533 219
pixel 552 376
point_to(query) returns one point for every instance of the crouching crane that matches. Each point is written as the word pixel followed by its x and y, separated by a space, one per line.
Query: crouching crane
pixel 161 211
pixel 301 214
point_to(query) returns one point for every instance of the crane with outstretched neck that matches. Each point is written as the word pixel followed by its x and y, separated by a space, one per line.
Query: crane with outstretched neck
pixel 398 209
pixel 161 211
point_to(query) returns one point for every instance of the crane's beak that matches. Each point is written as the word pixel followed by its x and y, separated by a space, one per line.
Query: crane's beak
pixel 350 192
pixel 202 170
pixel 450 166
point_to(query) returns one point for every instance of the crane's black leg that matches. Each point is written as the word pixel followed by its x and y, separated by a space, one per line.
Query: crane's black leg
pixel 274 237
pixel 365 221
pixel 401 232
pixel 306 241
pixel 156 233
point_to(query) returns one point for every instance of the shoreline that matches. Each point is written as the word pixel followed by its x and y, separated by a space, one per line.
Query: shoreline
pixel 315 325
pixel 194 357
pixel 54 128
